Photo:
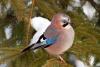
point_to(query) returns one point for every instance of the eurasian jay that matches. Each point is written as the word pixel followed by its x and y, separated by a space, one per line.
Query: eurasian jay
pixel 59 36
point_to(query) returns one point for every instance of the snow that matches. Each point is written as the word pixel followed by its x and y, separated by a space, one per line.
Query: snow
pixel 89 10
pixel 75 61
pixel 79 63
pixel 69 8
pixel 76 3
pixel 73 4
pixel 29 3
pixel 91 60
pixel 8 6
pixel 8 31
pixel 98 64
pixel 97 1
pixel 3 65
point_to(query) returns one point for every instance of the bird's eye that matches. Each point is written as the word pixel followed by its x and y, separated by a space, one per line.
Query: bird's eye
pixel 64 21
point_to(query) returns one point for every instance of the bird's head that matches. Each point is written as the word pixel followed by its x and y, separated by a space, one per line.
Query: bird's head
pixel 61 20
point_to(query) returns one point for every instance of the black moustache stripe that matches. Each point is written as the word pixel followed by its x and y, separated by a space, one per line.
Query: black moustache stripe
pixel 64 25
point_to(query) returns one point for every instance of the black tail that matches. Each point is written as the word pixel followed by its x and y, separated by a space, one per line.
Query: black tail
pixel 27 48
pixel 33 46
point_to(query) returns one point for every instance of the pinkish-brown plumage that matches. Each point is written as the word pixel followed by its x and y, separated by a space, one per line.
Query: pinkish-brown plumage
pixel 65 35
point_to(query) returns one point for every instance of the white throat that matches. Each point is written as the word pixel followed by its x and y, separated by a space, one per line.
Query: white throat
pixel 68 26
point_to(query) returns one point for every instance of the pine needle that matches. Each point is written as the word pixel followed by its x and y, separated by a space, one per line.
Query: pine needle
pixel 7 54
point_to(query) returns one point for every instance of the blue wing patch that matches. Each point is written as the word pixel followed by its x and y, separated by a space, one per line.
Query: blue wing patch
pixel 51 41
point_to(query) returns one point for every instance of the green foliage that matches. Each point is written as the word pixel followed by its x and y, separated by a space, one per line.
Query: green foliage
pixel 87 38
pixel 55 63
pixel 19 8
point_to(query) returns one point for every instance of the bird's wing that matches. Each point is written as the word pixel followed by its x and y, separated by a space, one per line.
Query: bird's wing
pixel 51 40
pixel 45 43
pixel 36 37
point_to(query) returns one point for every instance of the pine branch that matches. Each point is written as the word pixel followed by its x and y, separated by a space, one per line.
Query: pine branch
pixel 19 8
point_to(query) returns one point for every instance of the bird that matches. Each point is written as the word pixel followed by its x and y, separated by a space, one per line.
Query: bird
pixel 59 36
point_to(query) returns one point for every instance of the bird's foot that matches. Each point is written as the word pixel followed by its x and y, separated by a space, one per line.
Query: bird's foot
pixel 61 59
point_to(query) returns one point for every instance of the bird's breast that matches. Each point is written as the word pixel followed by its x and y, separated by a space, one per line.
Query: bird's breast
pixel 63 43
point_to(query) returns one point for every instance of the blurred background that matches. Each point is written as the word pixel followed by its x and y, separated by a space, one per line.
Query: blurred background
pixel 16 32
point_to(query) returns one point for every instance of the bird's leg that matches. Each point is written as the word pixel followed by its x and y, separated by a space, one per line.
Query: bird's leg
pixel 61 59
